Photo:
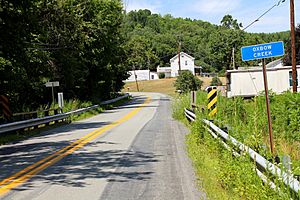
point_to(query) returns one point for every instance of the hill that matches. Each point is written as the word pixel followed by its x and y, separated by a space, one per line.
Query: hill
pixel 152 39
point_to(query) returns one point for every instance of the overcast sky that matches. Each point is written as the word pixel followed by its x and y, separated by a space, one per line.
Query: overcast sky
pixel 245 11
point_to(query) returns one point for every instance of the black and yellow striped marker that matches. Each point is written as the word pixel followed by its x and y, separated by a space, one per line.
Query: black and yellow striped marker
pixel 212 97
pixel 4 103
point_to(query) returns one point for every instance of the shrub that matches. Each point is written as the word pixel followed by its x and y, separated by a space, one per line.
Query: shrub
pixel 215 82
pixel 186 82
pixel 161 75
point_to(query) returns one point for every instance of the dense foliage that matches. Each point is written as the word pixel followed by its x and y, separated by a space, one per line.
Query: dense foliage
pixel 186 82
pixel 287 59
pixel 76 42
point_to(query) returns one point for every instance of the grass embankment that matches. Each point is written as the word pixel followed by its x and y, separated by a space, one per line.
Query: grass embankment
pixel 68 106
pixel 226 177
pixel 207 80
pixel 164 86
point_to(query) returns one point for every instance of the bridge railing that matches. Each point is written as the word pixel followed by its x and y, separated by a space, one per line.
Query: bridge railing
pixel 262 164
pixel 19 125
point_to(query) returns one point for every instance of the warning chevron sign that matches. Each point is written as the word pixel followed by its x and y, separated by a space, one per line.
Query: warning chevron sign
pixel 4 103
pixel 212 97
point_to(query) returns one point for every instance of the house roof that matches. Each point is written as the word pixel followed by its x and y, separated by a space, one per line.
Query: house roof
pixel 182 53
pixel 275 63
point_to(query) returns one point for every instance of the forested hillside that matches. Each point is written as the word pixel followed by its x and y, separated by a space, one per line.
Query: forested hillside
pixel 89 46
pixel 155 38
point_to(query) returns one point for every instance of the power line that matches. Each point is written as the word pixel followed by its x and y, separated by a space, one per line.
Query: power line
pixel 277 4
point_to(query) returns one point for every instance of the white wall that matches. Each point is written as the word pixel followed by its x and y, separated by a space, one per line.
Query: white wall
pixel 251 83
pixel 153 76
pixel 142 75
pixel 186 63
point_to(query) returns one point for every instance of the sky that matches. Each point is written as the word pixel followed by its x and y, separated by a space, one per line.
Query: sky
pixel 245 11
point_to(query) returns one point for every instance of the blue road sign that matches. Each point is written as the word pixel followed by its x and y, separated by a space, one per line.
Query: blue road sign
pixel 260 51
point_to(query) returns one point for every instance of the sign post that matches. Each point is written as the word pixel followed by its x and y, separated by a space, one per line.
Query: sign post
pixel 268 106
pixel 262 51
pixel 193 99
pixel 52 85
pixel 60 100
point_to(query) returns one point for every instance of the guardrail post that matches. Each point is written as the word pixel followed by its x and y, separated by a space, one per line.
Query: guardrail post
pixel 46 113
pixel 35 115
pixel 193 100
pixel 55 113
pixel 26 116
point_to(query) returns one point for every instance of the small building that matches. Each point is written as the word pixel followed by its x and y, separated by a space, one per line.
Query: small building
pixel 187 62
pixel 249 82
pixel 165 70
pixel 142 75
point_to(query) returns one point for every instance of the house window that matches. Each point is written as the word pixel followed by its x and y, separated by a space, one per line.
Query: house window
pixel 291 79
pixel 152 77
pixel 186 62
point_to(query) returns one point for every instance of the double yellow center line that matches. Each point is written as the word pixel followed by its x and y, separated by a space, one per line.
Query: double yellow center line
pixel 22 176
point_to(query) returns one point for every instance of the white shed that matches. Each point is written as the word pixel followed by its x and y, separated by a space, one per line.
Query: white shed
pixel 249 82
pixel 142 75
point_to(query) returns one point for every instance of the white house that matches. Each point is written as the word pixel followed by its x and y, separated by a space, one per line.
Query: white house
pixel 187 62
pixel 247 82
pixel 142 75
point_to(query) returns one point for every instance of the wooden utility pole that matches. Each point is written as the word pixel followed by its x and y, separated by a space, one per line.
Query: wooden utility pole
pixel 136 82
pixel 294 68
pixel 148 63
pixel 179 64
pixel 268 107
pixel 233 59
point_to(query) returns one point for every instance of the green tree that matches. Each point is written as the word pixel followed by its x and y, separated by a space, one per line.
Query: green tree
pixel 287 60
pixel 186 82
pixel 230 23
pixel 216 81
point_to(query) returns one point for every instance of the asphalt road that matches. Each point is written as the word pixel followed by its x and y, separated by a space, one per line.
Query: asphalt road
pixel 135 151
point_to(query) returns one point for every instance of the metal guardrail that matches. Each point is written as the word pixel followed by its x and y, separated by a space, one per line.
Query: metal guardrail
pixel 33 114
pixel 190 115
pixel 287 178
pixel 45 120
